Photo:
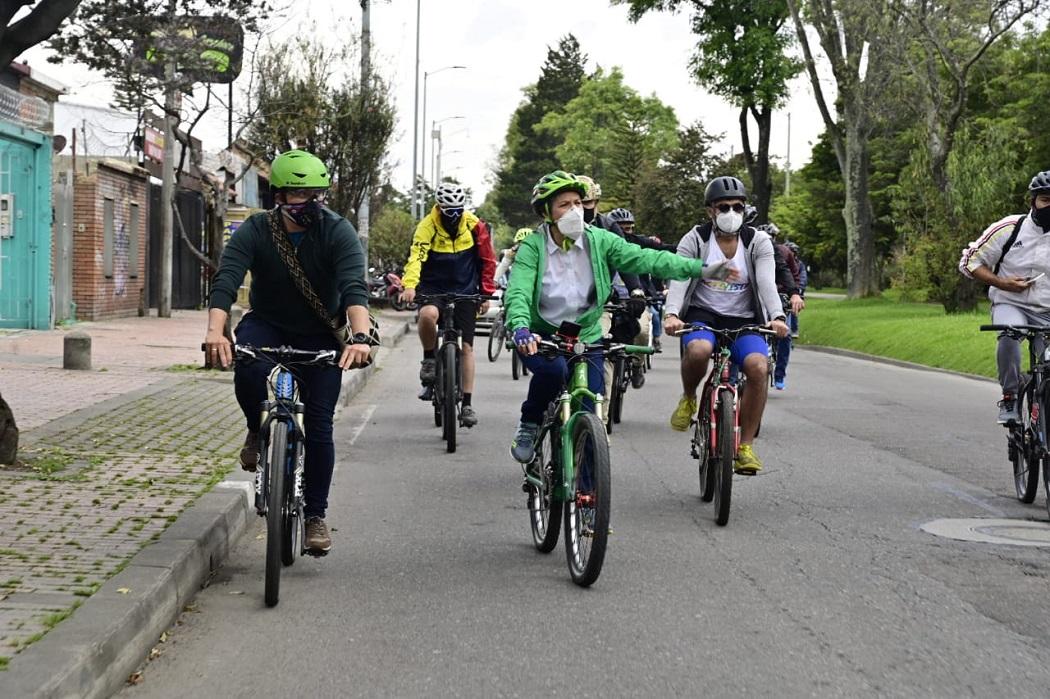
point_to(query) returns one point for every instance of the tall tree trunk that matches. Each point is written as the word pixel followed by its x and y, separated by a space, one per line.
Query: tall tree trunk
pixel 861 273
pixel 758 163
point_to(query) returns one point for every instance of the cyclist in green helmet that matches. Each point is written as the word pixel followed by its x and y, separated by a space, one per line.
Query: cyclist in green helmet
pixel 562 273
pixel 502 275
pixel 333 261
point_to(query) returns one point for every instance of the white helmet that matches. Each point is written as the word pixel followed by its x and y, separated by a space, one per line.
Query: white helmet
pixel 450 195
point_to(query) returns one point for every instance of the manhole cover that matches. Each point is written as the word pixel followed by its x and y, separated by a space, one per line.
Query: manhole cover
pixel 1012 532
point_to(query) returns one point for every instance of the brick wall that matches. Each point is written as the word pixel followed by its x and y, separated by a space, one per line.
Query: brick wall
pixel 99 295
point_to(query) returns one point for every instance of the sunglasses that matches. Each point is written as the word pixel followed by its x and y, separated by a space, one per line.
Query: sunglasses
pixel 453 211
pixel 725 208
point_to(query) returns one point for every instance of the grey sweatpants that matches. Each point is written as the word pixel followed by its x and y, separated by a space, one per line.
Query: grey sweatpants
pixel 1008 355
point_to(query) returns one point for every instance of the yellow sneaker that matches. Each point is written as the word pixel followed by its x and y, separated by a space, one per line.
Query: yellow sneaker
pixel 683 414
pixel 746 463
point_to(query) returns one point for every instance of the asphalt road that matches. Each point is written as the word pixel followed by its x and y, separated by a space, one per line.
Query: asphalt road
pixel 821 584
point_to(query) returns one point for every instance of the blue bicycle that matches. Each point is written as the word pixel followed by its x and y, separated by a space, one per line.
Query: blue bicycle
pixel 279 477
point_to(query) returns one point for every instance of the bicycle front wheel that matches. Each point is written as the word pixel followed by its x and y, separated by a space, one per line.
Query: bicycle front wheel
pixel 275 510
pixel 450 391
pixel 544 507
pixel 515 365
pixel 1025 449
pixel 617 391
pixel 496 335
pixel 726 452
pixel 587 513
pixel 293 534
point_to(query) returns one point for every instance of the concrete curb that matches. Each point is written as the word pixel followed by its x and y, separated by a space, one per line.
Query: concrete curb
pixel 92 653
pixel 894 362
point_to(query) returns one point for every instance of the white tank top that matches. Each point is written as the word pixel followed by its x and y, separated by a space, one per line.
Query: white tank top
pixel 723 297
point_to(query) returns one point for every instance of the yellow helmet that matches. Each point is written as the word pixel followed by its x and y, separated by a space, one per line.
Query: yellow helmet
pixel 520 234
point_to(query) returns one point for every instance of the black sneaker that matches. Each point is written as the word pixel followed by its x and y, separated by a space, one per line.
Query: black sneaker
pixel 1008 411
pixel 250 452
pixel 467 417
pixel 318 540
pixel 426 393
pixel 427 371
pixel 637 374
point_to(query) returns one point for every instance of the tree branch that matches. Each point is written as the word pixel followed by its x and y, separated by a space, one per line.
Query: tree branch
pixel 38 25
pixel 811 67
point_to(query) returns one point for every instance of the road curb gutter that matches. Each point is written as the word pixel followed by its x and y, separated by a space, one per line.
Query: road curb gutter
pixel 95 650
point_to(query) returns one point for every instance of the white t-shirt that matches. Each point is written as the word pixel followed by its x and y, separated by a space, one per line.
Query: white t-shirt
pixel 568 282
pixel 724 297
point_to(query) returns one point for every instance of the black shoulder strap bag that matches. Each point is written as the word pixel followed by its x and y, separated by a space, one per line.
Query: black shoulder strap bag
pixel 340 324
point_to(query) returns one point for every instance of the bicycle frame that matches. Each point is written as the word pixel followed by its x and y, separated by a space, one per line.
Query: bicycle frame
pixel 711 389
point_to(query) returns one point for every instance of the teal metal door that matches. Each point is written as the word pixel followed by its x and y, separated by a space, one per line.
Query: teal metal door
pixel 25 228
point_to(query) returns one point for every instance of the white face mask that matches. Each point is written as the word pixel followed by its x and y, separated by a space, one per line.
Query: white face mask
pixel 571 224
pixel 729 222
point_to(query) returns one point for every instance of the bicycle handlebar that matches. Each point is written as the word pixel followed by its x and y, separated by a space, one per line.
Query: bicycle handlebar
pixel 729 334
pixel 433 299
pixel 549 348
pixel 286 355
pixel 1025 330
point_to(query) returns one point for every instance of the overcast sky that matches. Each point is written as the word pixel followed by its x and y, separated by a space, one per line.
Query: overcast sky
pixel 503 43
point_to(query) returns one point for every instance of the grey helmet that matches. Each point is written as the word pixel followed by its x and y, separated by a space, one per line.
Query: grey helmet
pixel 1040 183
pixel 621 216
pixel 750 214
pixel 724 188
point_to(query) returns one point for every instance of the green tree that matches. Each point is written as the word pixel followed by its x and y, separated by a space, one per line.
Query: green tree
pixel 528 154
pixel 608 126
pixel 669 195
pixel 302 104
pixel 742 56
pixel 390 238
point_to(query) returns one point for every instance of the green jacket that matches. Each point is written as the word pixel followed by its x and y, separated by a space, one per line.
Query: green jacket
pixel 608 252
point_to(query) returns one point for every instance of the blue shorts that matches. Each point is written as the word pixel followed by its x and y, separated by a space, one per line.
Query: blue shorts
pixel 743 346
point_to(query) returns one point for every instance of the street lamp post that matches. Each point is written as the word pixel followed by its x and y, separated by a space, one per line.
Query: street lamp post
pixel 423 156
pixel 451 152
pixel 435 133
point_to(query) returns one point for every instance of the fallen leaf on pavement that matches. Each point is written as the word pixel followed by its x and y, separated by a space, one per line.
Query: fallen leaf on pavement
pixel 136 678
pixel 123 590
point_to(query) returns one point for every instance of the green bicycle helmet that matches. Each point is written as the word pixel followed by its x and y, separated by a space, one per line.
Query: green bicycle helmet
pixel 520 235
pixel 297 169
pixel 551 184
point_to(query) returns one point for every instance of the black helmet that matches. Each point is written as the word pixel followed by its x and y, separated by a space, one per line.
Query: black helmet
pixel 724 188
pixel 1040 183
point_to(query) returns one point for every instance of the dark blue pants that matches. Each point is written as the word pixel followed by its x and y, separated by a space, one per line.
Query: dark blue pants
pixel 784 349
pixel 318 390
pixel 549 377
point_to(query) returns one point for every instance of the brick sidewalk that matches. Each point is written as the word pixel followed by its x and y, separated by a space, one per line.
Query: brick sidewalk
pixel 116 454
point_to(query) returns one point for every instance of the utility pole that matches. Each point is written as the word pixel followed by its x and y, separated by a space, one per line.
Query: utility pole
pixel 415 129
pixel 167 188
pixel 366 88
pixel 787 165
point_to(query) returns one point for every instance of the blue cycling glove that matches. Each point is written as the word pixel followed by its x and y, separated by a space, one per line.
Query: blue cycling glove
pixel 522 337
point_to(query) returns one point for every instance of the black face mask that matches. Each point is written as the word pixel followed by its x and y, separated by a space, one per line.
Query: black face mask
pixel 450 223
pixel 588 214
pixel 1042 217
pixel 304 214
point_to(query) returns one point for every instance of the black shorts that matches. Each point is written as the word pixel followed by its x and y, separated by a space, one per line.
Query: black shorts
pixel 464 320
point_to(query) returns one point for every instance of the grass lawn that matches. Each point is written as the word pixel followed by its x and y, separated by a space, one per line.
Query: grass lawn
pixel 914 332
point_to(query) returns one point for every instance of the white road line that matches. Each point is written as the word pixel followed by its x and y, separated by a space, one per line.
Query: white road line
pixel 369 409
pixel 967 497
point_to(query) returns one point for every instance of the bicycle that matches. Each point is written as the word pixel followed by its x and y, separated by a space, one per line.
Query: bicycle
pixel 625 370
pixel 716 427
pixel 1026 441
pixel 448 386
pixel 498 334
pixel 279 476
pixel 569 479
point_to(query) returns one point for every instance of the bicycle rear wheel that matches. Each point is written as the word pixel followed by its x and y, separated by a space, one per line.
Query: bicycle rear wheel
pixel 496 336
pixel 437 389
pixel 587 514
pixel 702 450
pixel 726 451
pixel 544 507
pixel 450 389
pixel 275 510
pixel 1025 448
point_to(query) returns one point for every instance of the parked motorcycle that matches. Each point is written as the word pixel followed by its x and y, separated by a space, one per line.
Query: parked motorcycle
pixel 386 287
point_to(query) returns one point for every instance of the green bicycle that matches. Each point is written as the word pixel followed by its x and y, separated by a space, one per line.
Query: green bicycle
pixel 569 477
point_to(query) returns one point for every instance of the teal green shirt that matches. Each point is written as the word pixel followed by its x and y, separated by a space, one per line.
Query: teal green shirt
pixel 607 251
